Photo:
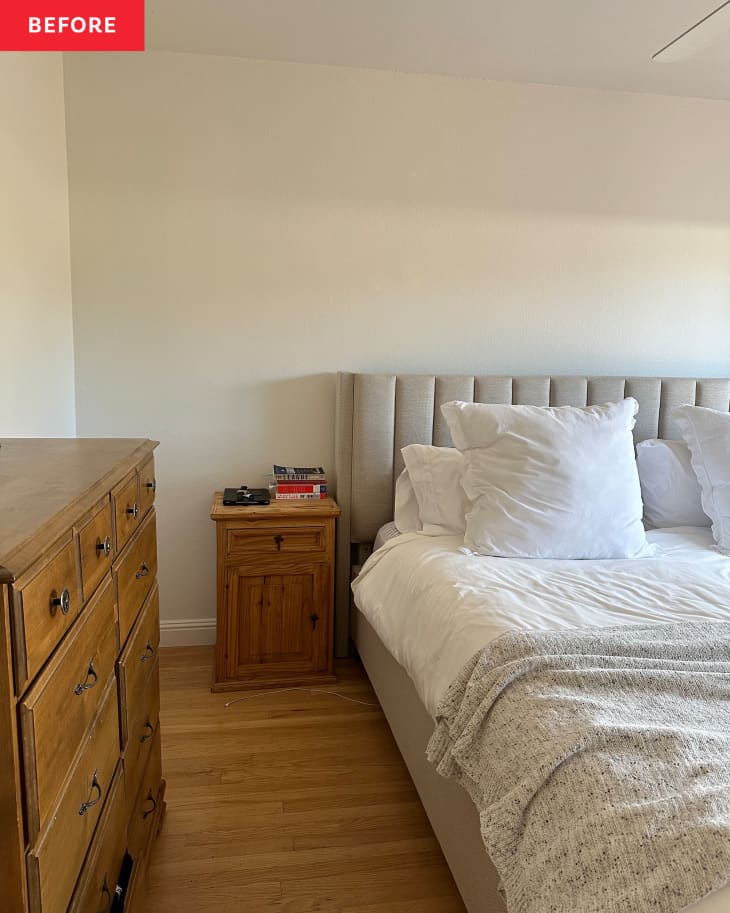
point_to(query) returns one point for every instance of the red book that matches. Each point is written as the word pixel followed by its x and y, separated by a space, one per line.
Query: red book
pixel 302 488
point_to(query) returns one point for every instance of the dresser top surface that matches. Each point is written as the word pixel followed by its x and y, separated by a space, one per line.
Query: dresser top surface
pixel 43 479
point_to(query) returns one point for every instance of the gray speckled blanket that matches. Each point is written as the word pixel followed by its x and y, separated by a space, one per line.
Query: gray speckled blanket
pixel 599 760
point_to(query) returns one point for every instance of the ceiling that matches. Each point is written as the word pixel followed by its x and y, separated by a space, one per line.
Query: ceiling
pixel 584 43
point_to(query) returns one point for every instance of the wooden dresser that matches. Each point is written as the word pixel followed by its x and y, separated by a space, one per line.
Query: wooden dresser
pixel 81 788
pixel 275 593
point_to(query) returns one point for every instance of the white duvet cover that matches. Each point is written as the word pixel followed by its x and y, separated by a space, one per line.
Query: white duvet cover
pixel 433 606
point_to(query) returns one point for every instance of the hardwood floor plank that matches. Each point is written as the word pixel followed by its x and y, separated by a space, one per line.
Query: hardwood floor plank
pixel 347 889
pixel 288 802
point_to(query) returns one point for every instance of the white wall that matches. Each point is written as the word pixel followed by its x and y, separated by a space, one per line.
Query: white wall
pixel 242 229
pixel 36 363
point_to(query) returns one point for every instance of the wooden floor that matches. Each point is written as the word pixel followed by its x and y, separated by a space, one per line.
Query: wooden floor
pixel 287 803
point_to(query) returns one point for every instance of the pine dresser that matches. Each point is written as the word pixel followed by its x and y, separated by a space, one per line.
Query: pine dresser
pixel 81 788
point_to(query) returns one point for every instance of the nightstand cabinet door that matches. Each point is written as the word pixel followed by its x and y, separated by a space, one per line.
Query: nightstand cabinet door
pixel 278 620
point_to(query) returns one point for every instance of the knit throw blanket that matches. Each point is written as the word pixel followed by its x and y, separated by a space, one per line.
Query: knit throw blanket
pixel 599 761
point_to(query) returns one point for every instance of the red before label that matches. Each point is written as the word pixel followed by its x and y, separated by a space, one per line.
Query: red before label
pixel 72 25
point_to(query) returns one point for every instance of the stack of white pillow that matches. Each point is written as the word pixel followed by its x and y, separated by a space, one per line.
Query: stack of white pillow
pixel 565 481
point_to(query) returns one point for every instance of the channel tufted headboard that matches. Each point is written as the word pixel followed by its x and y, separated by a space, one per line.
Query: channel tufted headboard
pixel 378 414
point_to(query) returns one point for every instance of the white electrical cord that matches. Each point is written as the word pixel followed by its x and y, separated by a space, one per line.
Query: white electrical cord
pixel 344 697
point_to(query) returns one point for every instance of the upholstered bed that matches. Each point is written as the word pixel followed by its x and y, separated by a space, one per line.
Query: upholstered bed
pixel 377 415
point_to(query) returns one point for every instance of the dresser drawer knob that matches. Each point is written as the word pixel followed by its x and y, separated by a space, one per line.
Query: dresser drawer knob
pixel 95 788
pixel 105 546
pixel 143 571
pixel 278 540
pixel 86 685
pixel 63 601
pixel 149 731
pixel 133 510
pixel 149 652
pixel 152 485
pixel 150 798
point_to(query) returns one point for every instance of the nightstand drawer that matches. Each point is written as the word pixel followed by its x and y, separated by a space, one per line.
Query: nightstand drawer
pixel 275 540
pixel 70 690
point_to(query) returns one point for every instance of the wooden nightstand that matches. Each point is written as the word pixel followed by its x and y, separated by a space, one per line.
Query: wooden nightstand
pixel 275 593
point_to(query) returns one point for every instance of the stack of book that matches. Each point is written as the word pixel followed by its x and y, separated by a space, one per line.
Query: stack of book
pixel 300 483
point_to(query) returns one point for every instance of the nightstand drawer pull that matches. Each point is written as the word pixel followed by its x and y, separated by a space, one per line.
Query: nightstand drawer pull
pixel 133 511
pixel 152 485
pixel 150 798
pixel 314 618
pixel 149 652
pixel 95 786
pixel 86 685
pixel 278 540
pixel 105 546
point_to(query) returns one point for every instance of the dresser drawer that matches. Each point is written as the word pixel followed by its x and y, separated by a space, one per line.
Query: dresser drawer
pixel 55 861
pixel 46 602
pixel 95 542
pixel 147 484
pixel 257 540
pixel 143 728
pixel 135 573
pixel 69 691
pixel 136 662
pixel 99 876
pixel 146 802
pixel 127 509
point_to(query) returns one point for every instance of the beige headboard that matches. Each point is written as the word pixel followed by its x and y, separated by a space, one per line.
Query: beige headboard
pixel 378 414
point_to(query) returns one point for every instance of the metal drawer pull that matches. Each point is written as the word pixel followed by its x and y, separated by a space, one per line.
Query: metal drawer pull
pixel 85 806
pixel 86 684
pixel 278 540
pixel 105 890
pixel 143 571
pixel 133 510
pixel 64 601
pixel 147 735
pixel 150 798
pixel 152 485
pixel 149 652
pixel 105 546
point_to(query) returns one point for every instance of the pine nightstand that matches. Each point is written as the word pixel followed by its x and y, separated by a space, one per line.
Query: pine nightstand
pixel 275 593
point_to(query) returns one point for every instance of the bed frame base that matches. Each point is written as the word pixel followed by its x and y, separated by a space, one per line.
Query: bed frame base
pixel 452 814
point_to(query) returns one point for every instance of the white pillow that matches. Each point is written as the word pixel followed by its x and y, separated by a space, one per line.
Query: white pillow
pixel 707 433
pixel 550 482
pixel 669 487
pixel 405 508
pixel 435 473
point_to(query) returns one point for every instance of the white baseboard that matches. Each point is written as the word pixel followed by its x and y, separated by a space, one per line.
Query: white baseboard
pixel 187 632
